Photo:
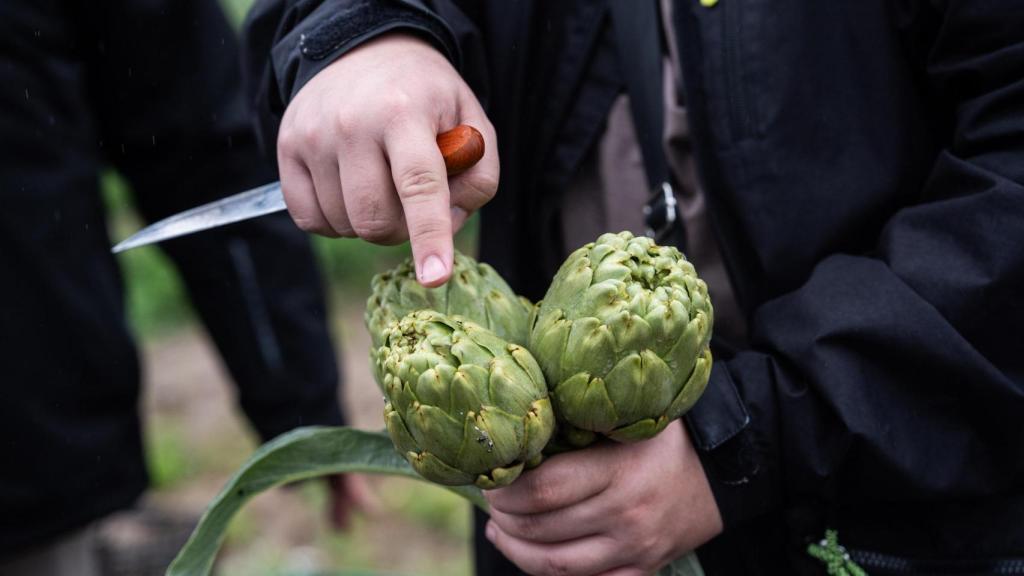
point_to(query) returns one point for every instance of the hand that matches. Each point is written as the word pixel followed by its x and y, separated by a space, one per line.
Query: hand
pixel 358 156
pixel 348 495
pixel 610 509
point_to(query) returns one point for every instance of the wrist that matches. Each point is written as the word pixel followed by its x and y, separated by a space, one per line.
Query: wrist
pixel 330 32
pixel 703 506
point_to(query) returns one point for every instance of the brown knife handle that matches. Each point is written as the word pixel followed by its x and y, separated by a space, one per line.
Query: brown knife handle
pixel 462 147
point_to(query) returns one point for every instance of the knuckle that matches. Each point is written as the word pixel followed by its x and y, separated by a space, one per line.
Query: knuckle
pixel 544 496
pixel 340 228
pixel 345 126
pixel 428 228
pixel 648 546
pixel 527 527
pixel 555 565
pixel 306 224
pixel 631 519
pixel 287 135
pixel 309 136
pixel 303 217
pixel 480 190
pixel 288 142
pixel 418 182
pixel 487 185
pixel 314 226
pixel 374 230
pixel 397 103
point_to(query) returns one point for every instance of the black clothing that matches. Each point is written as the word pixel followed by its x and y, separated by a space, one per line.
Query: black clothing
pixel 864 168
pixel 154 89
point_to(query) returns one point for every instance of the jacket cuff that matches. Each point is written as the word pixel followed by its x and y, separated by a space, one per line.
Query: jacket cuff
pixel 335 28
pixel 736 454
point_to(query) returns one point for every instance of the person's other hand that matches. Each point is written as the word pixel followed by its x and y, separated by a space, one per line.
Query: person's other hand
pixel 610 509
pixel 358 156
pixel 348 495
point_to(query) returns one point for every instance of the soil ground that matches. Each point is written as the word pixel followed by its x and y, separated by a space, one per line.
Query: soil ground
pixel 197 437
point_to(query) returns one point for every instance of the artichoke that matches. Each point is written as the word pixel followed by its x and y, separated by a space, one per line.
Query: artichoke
pixel 475 291
pixel 622 338
pixel 463 405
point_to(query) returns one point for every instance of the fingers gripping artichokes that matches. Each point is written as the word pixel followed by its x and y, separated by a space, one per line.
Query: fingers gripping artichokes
pixel 463 405
pixel 475 292
pixel 622 338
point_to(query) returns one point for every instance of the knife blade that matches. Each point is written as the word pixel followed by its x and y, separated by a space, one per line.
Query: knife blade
pixel 461 147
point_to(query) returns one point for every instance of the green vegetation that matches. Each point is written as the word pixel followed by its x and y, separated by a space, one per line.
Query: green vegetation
pixel 409 512
pixel 167 454
pixel 155 296
pixel 236 10
pixel 435 522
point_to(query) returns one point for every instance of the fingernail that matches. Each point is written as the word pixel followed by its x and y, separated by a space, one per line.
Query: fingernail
pixel 432 269
pixel 489 531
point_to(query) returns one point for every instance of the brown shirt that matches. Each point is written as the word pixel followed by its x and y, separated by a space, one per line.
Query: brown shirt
pixel 610 189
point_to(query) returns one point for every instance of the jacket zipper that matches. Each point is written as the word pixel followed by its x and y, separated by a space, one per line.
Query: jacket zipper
pixel 900 565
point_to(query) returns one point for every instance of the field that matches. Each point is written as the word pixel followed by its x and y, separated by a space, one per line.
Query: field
pixel 196 437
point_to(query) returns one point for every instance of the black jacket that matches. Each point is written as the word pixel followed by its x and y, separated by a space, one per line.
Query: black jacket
pixel 864 165
pixel 152 88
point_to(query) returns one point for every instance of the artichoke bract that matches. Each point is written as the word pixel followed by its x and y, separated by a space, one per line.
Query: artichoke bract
pixel 622 338
pixel 475 291
pixel 463 405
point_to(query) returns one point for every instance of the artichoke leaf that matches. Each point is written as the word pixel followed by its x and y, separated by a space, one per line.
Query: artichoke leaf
pixel 436 431
pixel 583 402
pixel 694 386
pixel 399 434
pixel 539 423
pixel 499 477
pixel 640 430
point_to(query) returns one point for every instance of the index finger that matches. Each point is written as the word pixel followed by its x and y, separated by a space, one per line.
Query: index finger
pixel 421 180
pixel 560 481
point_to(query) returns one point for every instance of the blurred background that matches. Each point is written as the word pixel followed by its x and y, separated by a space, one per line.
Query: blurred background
pixel 196 436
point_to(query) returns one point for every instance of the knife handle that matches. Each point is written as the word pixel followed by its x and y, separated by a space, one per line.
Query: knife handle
pixel 462 147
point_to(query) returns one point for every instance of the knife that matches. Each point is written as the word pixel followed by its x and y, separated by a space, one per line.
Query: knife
pixel 461 147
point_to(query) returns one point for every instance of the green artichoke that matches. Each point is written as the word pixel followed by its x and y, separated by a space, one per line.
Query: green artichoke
pixel 622 338
pixel 463 405
pixel 475 291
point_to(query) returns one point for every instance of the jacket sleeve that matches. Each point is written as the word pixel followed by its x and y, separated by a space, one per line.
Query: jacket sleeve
pixel 898 373
pixel 287 42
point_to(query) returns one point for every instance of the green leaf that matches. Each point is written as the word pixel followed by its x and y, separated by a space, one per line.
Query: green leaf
pixel 307 453
pixel 298 455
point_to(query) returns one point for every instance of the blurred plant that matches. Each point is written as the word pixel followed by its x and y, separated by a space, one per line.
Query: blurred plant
pixel 167 458
pixel 236 10
pixel 154 293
